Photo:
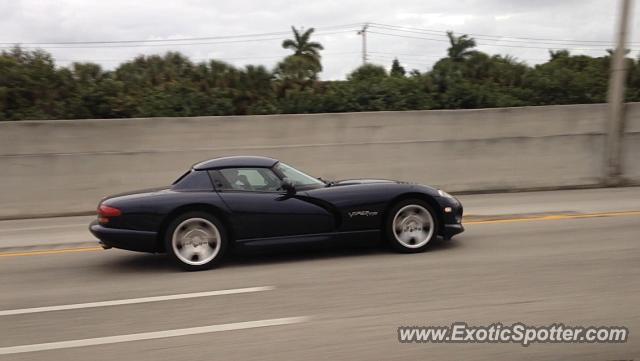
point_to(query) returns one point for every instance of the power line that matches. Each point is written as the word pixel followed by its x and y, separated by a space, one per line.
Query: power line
pixel 388 27
pixel 497 37
pixel 400 56
pixel 404 54
pixel 147 41
pixel 495 45
pixel 409 36
pixel 201 58
pixel 384 29
pixel 167 45
pixel 174 40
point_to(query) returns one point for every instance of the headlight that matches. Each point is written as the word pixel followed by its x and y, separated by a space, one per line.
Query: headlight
pixel 444 194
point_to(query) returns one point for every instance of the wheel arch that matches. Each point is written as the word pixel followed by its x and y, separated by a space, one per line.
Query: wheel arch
pixel 414 195
pixel 193 207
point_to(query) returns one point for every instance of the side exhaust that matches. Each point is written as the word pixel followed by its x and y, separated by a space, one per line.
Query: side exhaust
pixel 103 245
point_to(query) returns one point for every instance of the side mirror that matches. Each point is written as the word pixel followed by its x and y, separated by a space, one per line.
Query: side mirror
pixel 288 186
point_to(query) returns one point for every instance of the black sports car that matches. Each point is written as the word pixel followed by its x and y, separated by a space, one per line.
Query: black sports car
pixel 261 201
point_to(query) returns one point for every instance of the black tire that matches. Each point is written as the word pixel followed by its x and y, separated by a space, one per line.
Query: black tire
pixel 395 242
pixel 201 223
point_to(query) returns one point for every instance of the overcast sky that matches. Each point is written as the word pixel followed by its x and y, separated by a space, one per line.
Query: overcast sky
pixel 33 21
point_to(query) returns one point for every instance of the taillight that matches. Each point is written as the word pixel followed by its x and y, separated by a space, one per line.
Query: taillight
pixel 104 212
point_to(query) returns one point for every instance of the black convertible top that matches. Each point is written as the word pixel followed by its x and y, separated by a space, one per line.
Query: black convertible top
pixel 237 161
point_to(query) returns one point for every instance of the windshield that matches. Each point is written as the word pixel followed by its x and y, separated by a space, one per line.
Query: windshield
pixel 297 177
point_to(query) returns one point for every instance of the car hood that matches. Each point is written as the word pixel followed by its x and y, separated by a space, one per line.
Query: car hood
pixel 348 182
pixel 377 183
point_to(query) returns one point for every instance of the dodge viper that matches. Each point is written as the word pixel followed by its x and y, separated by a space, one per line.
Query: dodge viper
pixel 253 201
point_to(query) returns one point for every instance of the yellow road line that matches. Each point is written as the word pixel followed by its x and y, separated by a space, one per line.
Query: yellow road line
pixel 556 217
pixel 52 251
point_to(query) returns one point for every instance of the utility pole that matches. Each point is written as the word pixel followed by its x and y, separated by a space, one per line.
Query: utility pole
pixel 363 32
pixel 615 112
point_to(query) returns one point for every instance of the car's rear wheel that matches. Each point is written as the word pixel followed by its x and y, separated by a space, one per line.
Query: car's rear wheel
pixel 196 241
pixel 411 226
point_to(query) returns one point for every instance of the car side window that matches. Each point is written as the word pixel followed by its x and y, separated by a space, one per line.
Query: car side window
pixel 249 179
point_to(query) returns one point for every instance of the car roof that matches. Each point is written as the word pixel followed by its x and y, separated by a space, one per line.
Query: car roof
pixel 236 161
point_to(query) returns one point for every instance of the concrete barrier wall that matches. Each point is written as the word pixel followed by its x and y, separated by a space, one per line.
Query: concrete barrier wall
pixel 631 144
pixel 51 167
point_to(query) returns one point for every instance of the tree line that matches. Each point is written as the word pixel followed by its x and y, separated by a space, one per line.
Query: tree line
pixel 33 87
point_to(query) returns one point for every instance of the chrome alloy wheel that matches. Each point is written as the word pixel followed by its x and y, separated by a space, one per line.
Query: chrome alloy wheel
pixel 196 241
pixel 413 226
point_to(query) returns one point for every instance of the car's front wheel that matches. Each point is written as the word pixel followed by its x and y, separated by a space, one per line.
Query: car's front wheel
pixel 196 241
pixel 411 226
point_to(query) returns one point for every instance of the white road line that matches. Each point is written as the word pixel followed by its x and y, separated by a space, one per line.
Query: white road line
pixel 151 335
pixel 135 300
pixel 82 226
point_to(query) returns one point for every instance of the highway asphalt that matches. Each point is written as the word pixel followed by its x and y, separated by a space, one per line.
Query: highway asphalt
pixel 538 258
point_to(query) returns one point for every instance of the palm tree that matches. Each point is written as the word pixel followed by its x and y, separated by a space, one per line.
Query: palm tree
pixel 302 47
pixel 460 46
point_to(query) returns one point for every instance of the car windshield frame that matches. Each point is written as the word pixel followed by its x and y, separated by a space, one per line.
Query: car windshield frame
pixel 309 181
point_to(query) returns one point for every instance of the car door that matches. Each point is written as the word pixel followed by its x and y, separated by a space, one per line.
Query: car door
pixel 260 209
